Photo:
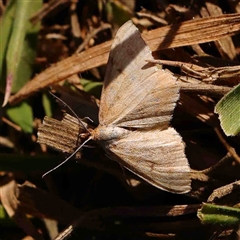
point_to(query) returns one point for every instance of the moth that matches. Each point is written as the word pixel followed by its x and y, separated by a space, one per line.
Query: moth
pixel 136 107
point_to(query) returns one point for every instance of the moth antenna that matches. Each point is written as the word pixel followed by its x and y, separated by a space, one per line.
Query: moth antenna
pixel 88 146
pixel 72 111
pixel 88 118
pixel 59 165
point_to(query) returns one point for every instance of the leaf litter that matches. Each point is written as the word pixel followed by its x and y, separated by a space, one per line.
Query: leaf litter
pixel 200 47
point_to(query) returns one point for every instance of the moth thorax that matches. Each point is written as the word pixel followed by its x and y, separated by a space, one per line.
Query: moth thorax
pixel 107 133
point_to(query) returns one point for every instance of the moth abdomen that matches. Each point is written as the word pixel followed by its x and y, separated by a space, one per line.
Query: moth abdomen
pixel 108 133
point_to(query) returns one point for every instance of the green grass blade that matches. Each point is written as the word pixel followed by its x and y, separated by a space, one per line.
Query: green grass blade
pixel 46 101
pixel 91 87
pixel 216 214
pixel 5 33
pixel 21 47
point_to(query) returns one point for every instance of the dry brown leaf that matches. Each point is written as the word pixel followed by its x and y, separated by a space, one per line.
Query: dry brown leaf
pixel 33 200
pixel 12 206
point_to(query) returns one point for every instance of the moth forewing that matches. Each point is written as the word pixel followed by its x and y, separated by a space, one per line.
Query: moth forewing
pixel 133 88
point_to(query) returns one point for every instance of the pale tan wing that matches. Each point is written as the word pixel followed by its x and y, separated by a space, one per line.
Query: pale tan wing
pixel 135 93
pixel 156 156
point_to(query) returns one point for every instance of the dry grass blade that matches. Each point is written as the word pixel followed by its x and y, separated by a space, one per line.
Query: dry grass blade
pixel 193 32
pixel 205 89
pixel 230 190
pixel 47 8
pixel 203 73
pixel 187 33
pixel 94 32
pixel 62 135
pixel 225 46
